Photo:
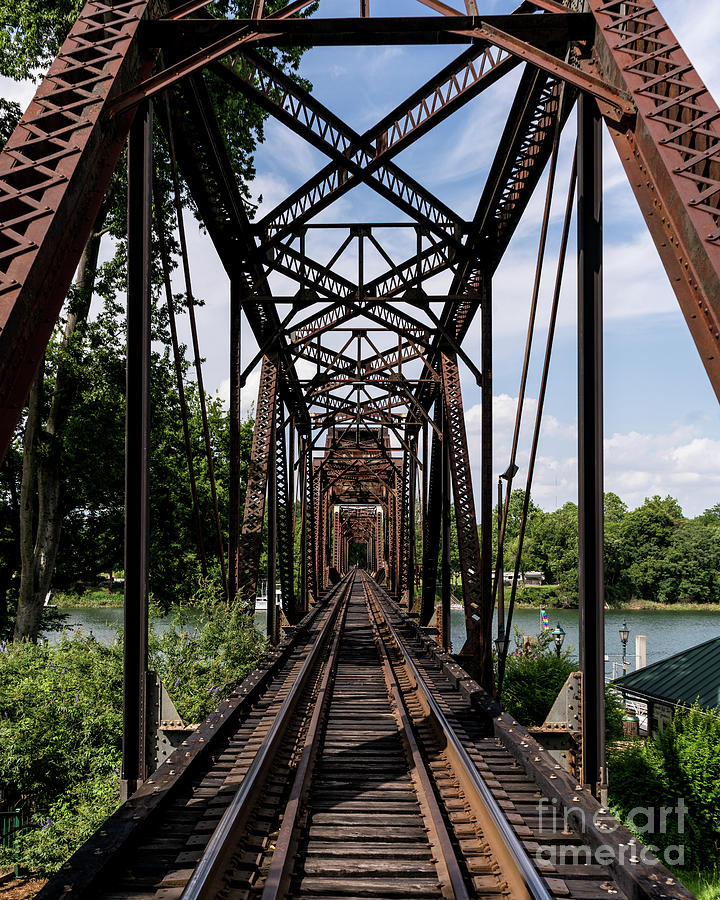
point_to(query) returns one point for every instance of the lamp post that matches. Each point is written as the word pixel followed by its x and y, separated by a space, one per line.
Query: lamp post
pixel 558 635
pixel 624 635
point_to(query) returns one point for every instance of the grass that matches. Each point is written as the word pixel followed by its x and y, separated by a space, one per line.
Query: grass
pixel 705 885
pixel 92 598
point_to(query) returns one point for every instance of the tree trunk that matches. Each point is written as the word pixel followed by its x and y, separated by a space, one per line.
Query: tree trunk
pixel 27 619
pixel 10 472
pixel 44 474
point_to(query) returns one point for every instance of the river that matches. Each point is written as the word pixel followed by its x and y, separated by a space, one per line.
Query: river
pixel 667 631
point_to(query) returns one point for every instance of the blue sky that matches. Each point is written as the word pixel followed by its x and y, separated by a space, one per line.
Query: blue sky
pixel 662 420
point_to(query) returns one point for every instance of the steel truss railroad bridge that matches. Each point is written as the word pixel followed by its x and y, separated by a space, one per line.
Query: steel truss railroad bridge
pixel 360 409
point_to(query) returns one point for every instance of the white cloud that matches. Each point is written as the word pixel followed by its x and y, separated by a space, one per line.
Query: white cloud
pixel 679 461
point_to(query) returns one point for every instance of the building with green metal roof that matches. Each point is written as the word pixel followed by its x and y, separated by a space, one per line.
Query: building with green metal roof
pixel 677 681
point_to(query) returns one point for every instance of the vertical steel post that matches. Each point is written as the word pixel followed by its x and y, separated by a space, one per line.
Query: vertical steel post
pixel 236 512
pixel 501 572
pixel 271 539
pixel 590 444
pixel 485 663
pixel 134 763
pixel 446 482
pixel 412 529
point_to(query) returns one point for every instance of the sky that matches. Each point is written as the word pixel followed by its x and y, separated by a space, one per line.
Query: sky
pixel 662 419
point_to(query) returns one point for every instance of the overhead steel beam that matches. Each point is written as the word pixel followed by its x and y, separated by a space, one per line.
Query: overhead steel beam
pixel 374 31
pixel 264 83
pixel 474 71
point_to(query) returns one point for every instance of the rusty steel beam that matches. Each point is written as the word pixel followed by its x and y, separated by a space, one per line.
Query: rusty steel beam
pixel 205 165
pixel 309 560
pixel 54 172
pixel 474 71
pixel 377 31
pixel 284 518
pixel 432 523
pixel 250 547
pixel 265 84
pixel 671 156
pixel 465 517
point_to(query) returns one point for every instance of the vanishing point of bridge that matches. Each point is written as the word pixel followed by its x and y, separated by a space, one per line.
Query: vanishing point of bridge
pixel 360 759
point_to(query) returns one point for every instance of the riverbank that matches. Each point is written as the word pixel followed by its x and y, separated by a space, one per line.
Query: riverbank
pixel 93 598
pixel 112 598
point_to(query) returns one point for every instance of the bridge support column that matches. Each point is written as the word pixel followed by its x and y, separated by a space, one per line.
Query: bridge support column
pixel 134 763
pixel 590 444
pixel 446 587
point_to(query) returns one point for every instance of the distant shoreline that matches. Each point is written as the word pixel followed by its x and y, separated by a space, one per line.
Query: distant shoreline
pixel 113 599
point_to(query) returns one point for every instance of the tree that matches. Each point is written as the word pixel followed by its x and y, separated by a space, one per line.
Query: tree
pixel 646 533
pixel 690 568
pixel 30 36
pixel 618 585
pixel 554 547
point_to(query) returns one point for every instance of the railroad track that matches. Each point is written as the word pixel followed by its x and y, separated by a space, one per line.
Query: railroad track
pixel 355 769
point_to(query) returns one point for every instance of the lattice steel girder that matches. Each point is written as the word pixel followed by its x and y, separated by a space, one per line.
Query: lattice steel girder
pixel 306 116
pixel 309 520
pixel 251 537
pixel 432 524
pixel 671 156
pixel 467 534
pixel 474 71
pixel 54 172
pixel 540 108
pixel 284 518
pixel 206 167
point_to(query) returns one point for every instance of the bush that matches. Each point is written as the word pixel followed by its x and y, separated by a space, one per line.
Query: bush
pixel 681 761
pixel 60 709
pixel 61 718
pixel 534 675
pixel 209 649
pixel 541 595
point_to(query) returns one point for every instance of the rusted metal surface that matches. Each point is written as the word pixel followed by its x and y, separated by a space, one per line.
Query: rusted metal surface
pixel 54 172
pixel 671 156
pixel 251 537
pixel 382 353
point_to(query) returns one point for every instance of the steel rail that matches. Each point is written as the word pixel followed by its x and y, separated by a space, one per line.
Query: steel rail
pixel 213 859
pixel 532 882
pixel 447 858
pixel 283 857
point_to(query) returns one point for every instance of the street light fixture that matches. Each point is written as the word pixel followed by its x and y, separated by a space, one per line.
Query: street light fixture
pixel 624 635
pixel 558 635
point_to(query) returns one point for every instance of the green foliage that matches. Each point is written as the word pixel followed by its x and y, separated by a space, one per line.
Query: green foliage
pixel 647 533
pixel 534 675
pixel 32 32
pixel 69 822
pixel 59 706
pixel 681 761
pixel 552 548
pixel 61 717
pixel 540 595
pixel 614 715
pixel 211 648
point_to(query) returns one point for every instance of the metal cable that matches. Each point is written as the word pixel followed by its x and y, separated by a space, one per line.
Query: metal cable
pixel 196 349
pixel 538 415
pixel 179 377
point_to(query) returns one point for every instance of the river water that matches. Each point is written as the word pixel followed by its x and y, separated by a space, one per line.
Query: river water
pixel 667 631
